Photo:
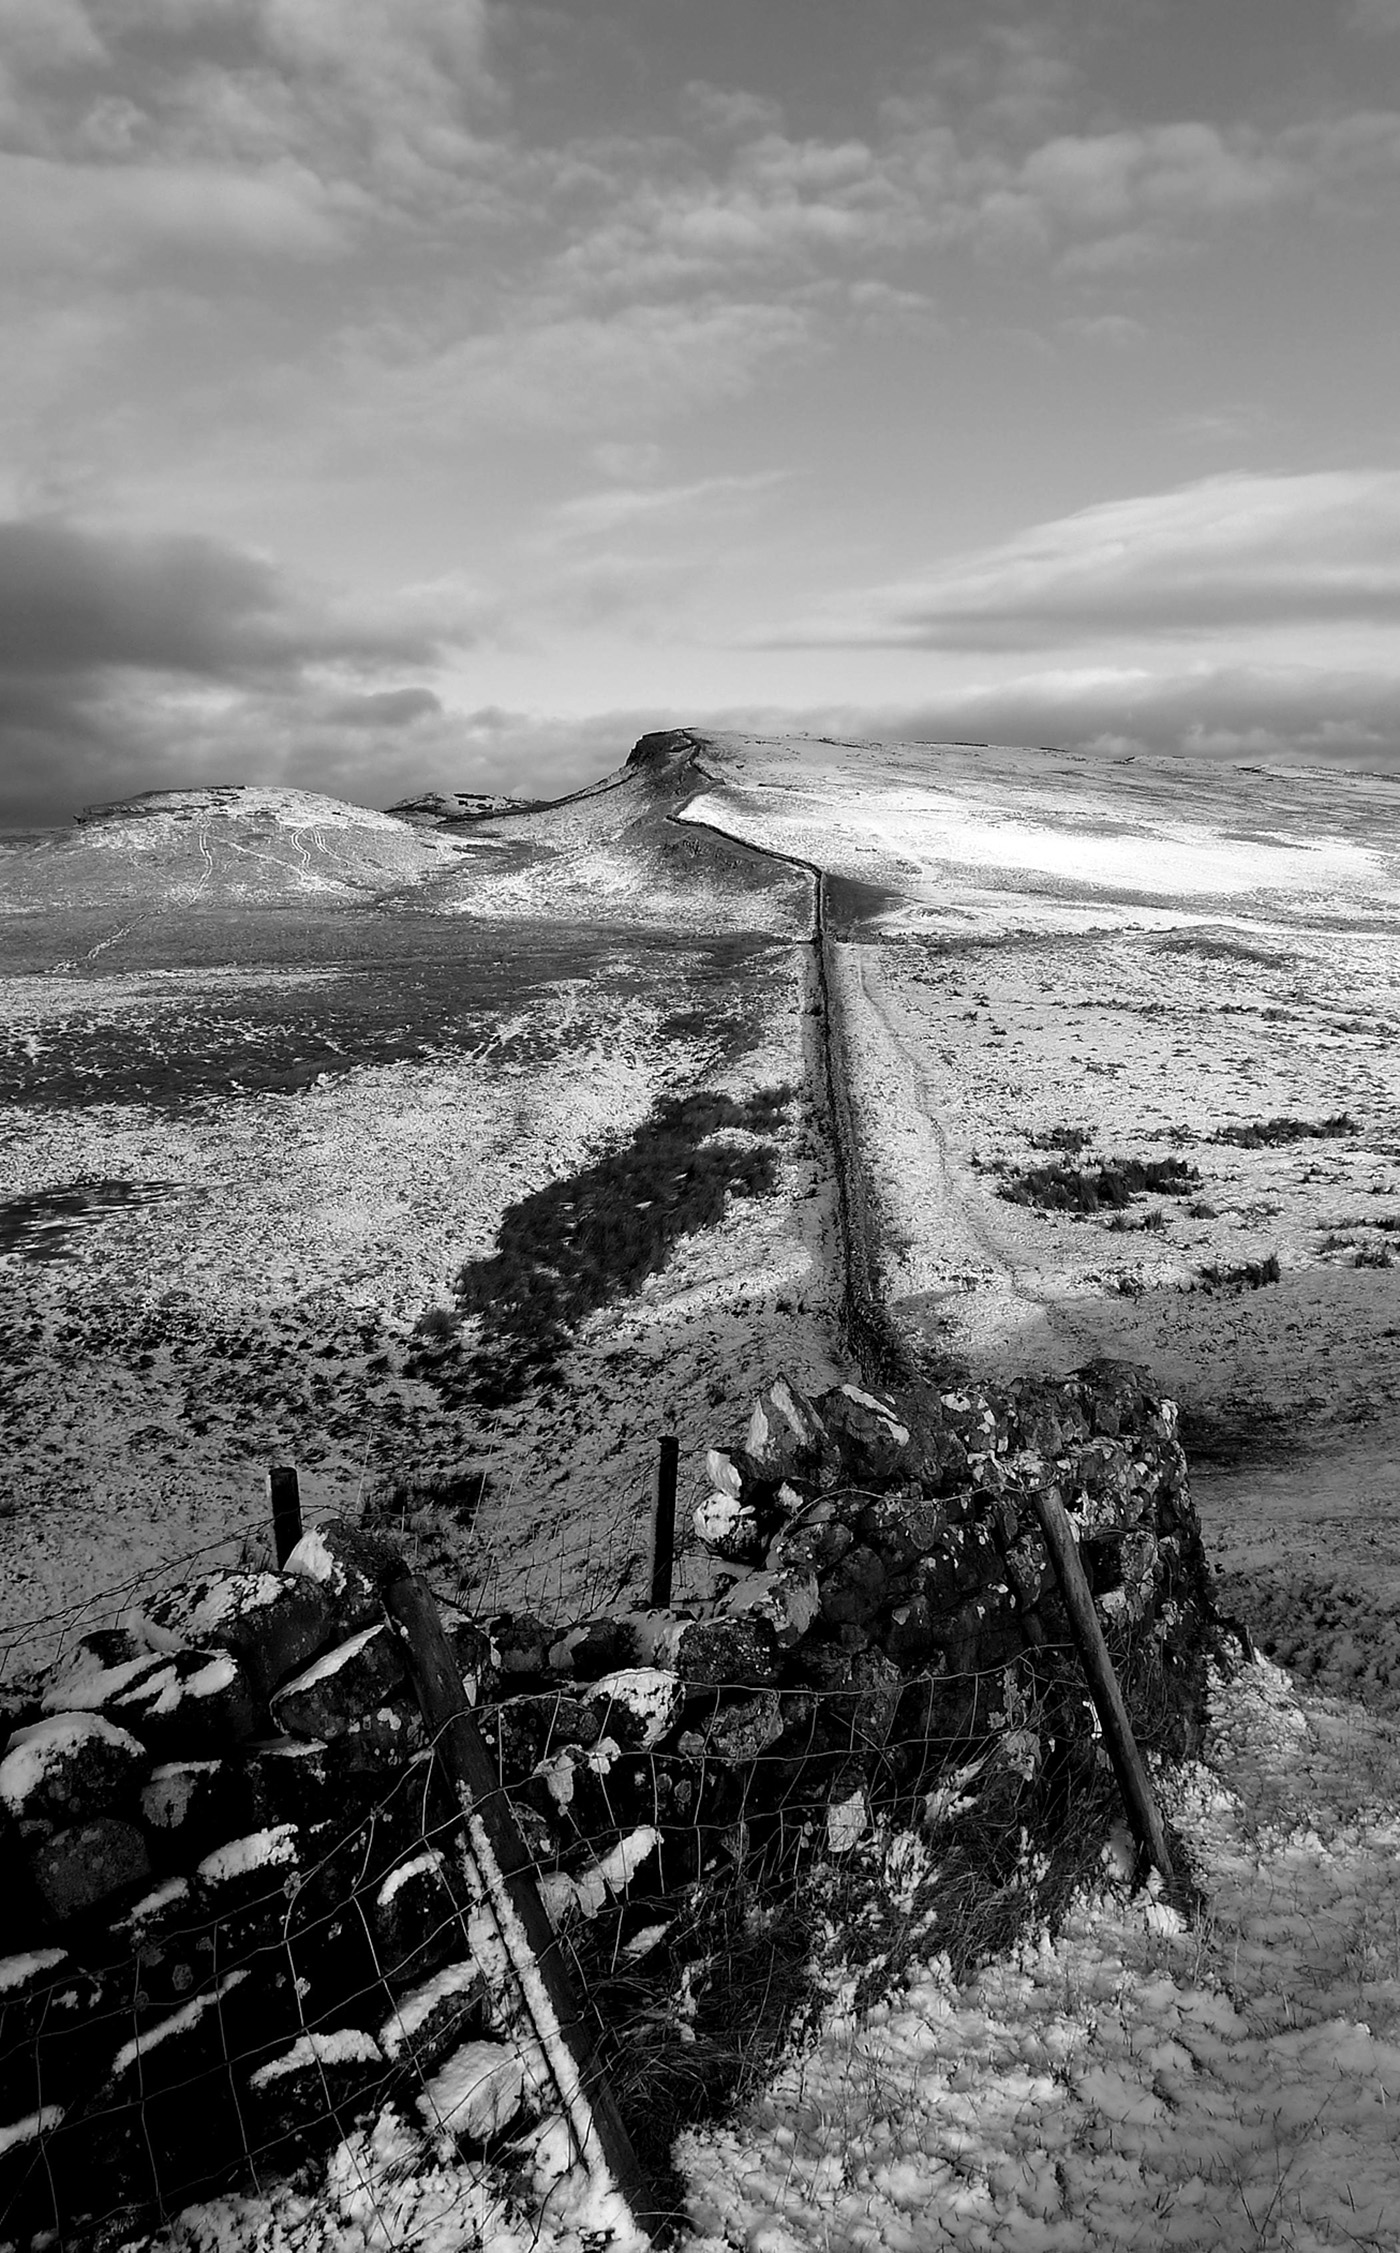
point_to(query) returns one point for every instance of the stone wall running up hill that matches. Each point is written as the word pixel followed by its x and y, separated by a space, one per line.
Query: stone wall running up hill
pixel 239 1916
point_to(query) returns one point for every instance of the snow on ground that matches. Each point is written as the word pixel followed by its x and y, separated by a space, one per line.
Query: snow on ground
pixel 1137 2081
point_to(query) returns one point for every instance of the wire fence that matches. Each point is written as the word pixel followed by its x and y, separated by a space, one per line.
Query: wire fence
pixel 242 2022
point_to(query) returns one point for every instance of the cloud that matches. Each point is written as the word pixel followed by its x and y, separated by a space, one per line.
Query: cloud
pixel 74 601
pixel 176 657
pixel 620 507
pixel 1227 553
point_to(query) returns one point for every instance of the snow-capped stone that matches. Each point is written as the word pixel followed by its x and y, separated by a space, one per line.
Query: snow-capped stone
pixel 350 1566
pixel 874 1445
pixel 723 1473
pixel 785 1431
pixel 274 1621
pixel 68 1766
pixel 637 1706
pixel 476 2094
pixel 728 1526
pixel 341 1687
pixel 788 1599
pixel 434 2017
pixel 190 1702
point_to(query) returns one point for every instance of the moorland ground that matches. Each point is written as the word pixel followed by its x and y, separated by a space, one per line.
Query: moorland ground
pixel 1120 1046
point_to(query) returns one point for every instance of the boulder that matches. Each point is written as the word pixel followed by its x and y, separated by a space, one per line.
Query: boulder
pixel 70 1765
pixel 88 1865
pixel 343 1686
pixel 786 1433
pixel 352 1568
pixel 275 1621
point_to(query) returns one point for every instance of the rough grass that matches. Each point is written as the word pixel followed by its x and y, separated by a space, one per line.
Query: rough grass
pixel 1248 1275
pixel 1090 1189
pixel 1262 1134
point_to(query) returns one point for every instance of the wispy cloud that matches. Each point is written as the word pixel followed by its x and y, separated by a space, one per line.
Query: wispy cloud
pixel 623 507
pixel 1226 553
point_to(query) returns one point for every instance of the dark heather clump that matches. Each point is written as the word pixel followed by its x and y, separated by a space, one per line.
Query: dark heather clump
pixel 1091 1189
pixel 575 1245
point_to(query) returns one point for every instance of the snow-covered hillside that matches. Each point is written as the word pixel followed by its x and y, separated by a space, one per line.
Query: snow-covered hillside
pixel 246 845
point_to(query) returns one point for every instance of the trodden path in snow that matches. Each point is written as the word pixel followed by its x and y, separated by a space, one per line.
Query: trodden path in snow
pixel 1134 2083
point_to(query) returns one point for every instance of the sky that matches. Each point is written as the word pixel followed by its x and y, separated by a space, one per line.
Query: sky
pixel 435 394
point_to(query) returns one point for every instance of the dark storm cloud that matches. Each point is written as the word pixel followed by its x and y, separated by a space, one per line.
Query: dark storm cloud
pixel 130 662
pixel 75 602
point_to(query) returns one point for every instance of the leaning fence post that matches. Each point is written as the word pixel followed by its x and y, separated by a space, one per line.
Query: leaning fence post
pixel 663 1540
pixel 284 1494
pixel 1103 1682
pixel 507 1874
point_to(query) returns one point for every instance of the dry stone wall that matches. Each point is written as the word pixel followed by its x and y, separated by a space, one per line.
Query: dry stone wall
pixel 240 1916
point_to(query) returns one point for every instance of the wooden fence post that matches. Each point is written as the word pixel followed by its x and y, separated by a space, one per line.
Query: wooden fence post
pixel 508 1879
pixel 1103 1682
pixel 663 1539
pixel 284 1493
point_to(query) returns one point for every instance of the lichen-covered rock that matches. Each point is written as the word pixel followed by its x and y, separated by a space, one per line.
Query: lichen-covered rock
pixel 738 1731
pixel 854 1589
pixel 726 1653
pixel 342 1686
pixel 275 1621
pixel 289 1780
pixel 88 1865
pixel 522 1731
pixel 520 1645
pixel 70 1765
pixel 183 1803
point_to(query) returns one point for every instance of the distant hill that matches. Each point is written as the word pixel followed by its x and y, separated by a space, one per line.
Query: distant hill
pixel 438 806
pixel 224 846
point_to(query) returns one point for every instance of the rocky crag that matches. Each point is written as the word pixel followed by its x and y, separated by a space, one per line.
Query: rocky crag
pixel 242 1920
